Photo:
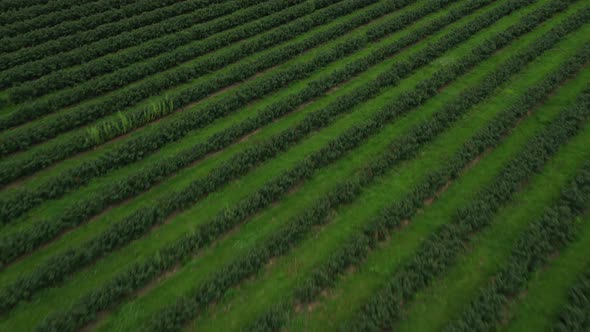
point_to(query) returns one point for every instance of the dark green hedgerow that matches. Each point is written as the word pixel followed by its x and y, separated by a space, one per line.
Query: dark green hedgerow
pixel 130 95
pixel 551 233
pixel 166 44
pixel 177 127
pixel 20 10
pixel 140 274
pixel 110 63
pixel 27 240
pixel 28 34
pixel 574 316
pixel 57 24
pixel 33 62
pixel 12 5
pixel 441 249
pixel 12 169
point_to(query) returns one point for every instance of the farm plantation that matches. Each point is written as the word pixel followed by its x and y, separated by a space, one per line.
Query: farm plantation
pixel 294 165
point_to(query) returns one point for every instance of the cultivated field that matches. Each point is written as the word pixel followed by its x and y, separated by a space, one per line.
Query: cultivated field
pixel 294 165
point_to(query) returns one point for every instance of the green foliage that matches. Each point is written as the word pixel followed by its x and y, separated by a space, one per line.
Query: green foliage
pixel 172 317
pixel 104 64
pixel 280 242
pixel 29 33
pixel 574 316
pixel 14 11
pixel 175 128
pixel 166 50
pixel 355 251
pixel 23 137
pixel 25 241
pixel 20 60
pixel 13 5
pixel 553 231
pixel 442 248
pixel 137 224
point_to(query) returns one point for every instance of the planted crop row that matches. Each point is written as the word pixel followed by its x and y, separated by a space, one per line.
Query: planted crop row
pixel 114 236
pixel 103 131
pixel 442 248
pixel 24 34
pixel 131 95
pixel 574 316
pixel 11 5
pixel 405 148
pixel 108 38
pixel 144 220
pixel 34 11
pixel 392 216
pixel 26 241
pixel 13 169
pixel 141 273
pixel 19 32
pixel 551 233
pixel 49 228
pixel 167 53
pixel 370 88
pixel 366 240
pixel 177 127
